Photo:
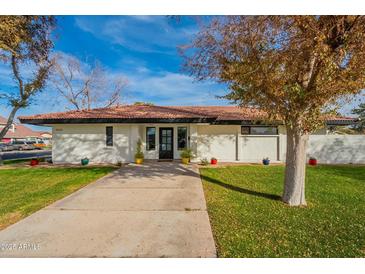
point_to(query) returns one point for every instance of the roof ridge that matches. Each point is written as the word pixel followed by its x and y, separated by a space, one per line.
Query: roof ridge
pixel 187 111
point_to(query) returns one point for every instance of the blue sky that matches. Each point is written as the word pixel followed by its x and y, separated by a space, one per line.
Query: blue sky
pixel 142 49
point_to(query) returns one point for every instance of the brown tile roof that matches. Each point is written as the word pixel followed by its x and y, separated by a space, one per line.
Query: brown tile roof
pixel 147 112
pixel 21 131
pixel 155 112
pixel 226 113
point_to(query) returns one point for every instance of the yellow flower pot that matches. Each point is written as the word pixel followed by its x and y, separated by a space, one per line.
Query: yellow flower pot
pixel 139 161
pixel 185 160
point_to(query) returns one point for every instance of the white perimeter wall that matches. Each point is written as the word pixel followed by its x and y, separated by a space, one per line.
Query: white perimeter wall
pixel 337 148
pixel 333 149
pixel 227 144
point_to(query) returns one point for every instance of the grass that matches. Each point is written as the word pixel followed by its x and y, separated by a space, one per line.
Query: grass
pixel 26 190
pixel 249 220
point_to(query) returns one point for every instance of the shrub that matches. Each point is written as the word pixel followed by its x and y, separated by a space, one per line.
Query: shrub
pixel 186 153
pixel 139 153
pixel 204 162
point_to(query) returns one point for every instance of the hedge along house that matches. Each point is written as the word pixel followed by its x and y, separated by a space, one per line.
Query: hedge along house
pixel 228 133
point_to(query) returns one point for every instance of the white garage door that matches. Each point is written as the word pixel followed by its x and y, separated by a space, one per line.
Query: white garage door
pixel 255 148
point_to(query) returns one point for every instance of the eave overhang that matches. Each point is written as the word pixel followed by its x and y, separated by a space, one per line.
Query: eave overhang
pixel 212 121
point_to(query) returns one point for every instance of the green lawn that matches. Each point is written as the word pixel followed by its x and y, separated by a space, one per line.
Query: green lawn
pixel 26 190
pixel 249 220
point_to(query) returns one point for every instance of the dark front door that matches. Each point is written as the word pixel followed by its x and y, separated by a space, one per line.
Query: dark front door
pixel 166 150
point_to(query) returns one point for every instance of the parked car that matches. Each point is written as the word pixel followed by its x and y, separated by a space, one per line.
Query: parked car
pixel 6 147
pixel 22 145
pixel 38 144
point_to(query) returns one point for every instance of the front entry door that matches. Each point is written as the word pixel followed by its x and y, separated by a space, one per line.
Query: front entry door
pixel 166 150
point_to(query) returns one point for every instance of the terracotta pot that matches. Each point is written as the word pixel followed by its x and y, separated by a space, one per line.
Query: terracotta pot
pixel 312 162
pixel 185 161
pixel 34 162
pixel 139 161
pixel 213 161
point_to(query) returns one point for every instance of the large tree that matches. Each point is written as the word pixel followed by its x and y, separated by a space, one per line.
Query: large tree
pixel 86 86
pixel 292 67
pixel 25 42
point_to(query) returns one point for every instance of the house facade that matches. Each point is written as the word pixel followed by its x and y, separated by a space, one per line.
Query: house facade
pixel 228 133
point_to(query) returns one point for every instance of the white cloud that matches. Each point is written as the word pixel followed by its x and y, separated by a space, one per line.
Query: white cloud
pixel 8 84
pixel 138 33
pixel 169 88
pixel 6 77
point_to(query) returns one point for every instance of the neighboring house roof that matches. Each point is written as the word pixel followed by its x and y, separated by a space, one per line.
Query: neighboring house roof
pixel 163 114
pixel 3 120
pixel 20 131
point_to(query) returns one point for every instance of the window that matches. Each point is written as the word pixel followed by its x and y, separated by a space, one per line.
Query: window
pixel 109 136
pixel 256 130
pixel 182 133
pixel 151 138
pixel 245 130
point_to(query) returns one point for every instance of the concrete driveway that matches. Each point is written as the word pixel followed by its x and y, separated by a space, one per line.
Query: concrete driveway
pixel 154 210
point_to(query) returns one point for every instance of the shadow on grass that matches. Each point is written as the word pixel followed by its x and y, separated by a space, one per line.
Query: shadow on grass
pixel 240 189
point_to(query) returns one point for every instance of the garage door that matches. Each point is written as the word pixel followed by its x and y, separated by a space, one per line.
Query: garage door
pixel 255 148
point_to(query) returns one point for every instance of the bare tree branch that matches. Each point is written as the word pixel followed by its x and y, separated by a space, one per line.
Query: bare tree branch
pixel 84 87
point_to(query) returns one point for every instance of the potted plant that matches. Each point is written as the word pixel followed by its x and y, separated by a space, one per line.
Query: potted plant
pixel 139 156
pixel 85 161
pixel 34 162
pixel 266 161
pixel 312 161
pixel 186 155
pixel 204 162
pixel 213 161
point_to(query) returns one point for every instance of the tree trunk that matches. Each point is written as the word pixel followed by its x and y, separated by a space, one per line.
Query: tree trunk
pixel 7 126
pixel 296 146
pixel 9 122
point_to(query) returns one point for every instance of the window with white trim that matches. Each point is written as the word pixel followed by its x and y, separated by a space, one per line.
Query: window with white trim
pixel 182 138
pixel 150 138
pixel 259 130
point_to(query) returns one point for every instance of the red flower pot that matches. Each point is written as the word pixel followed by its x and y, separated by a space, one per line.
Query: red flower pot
pixel 213 161
pixel 312 162
pixel 34 162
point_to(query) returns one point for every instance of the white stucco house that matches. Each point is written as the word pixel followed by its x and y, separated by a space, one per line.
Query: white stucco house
pixel 228 133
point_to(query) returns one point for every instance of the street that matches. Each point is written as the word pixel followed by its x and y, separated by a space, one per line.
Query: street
pixel 13 155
